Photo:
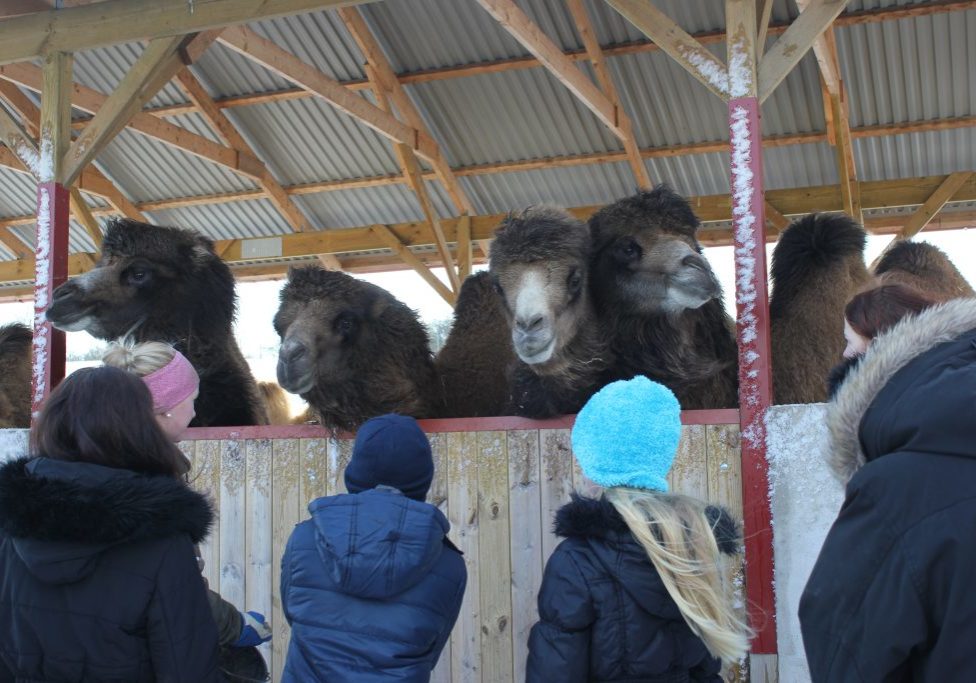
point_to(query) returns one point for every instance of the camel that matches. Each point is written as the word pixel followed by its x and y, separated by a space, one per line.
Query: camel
pixel 15 376
pixel 165 284
pixel 352 350
pixel 924 267
pixel 659 300
pixel 474 363
pixel 539 260
pixel 276 403
pixel 817 266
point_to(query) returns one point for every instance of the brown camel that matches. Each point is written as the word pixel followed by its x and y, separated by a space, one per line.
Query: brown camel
pixel 540 260
pixel 165 284
pixel 15 376
pixel 924 267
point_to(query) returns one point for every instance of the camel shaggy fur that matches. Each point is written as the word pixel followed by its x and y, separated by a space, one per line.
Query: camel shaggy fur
pixel 817 266
pixel 659 300
pixel 276 403
pixel 166 284
pixel 474 363
pixel 539 261
pixel 15 376
pixel 352 350
pixel 924 267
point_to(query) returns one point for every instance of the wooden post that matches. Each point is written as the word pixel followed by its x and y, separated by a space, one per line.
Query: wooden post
pixel 53 202
pixel 752 324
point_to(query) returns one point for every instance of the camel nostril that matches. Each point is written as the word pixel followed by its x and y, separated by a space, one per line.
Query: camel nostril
pixel 64 291
pixel 694 261
pixel 292 351
pixel 530 325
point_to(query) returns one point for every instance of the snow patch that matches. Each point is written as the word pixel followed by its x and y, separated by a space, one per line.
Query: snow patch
pixel 45 161
pixel 42 330
pixel 741 81
pixel 710 69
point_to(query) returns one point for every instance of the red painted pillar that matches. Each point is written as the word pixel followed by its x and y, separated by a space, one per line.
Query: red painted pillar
pixel 50 270
pixel 755 376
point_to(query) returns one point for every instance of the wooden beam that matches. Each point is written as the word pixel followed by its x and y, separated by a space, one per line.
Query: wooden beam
pixel 585 28
pixel 386 236
pixel 524 30
pixel 683 48
pixel 18 141
pixel 14 244
pixel 776 219
pixel 154 67
pixel 82 213
pixel 464 247
pixel 121 21
pixel 944 193
pixel 763 15
pixel 276 60
pixel 23 105
pixel 329 261
pixel 230 135
pixel 795 42
pixel 847 171
pixel 412 173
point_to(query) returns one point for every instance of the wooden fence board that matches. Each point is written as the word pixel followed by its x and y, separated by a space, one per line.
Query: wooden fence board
pixel 557 482
pixel 205 478
pixel 315 475
pixel 258 525
pixel 688 473
pixel 232 522
pixel 495 571
pixel 525 538
pixel 438 496
pixel 463 492
pixel 286 512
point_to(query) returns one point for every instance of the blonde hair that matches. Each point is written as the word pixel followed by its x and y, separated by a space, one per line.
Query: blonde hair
pixel 142 358
pixel 678 538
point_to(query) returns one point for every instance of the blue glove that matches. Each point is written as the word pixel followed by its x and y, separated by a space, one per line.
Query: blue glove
pixel 254 630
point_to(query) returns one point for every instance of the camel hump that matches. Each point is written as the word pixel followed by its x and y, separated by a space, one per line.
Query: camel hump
pixel 14 337
pixel 276 403
pixel 925 267
pixel 814 242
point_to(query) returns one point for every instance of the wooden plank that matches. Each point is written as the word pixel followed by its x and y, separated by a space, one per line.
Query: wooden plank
pixel 258 586
pixel 763 668
pixel 825 50
pixel 945 192
pixel 438 496
pixel 286 512
pixel 846 170
pixel 688 471
pixel 14 245
pixel 795 42
pixel 120 21
pixel 740 19
pixel 315 475
pixel 464 247
pixel 463 493
pixel 391 241
pixel 205 478
pixel 339 453
pixel 585 28
pixel 775 218
pixel 18 141
pixel 677 43
pixel 495 561
pixel 527 529
pixel 273 58
pixel 524 30
pixel 82 213
pixel 233 498
pixel 556 463
pixel 763 15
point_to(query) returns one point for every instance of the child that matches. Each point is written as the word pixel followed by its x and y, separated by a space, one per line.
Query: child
pixel 637 591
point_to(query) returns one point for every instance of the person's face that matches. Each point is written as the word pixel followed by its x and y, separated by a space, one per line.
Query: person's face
pixel 856 344
pixel 175 420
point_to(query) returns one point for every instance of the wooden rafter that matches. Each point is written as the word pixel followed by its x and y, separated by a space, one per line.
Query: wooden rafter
pixel 775 219
pixel 120 21
pixel 795 42
pixel 82 213
pixel 943 194
pixel 763 14
pixel 273 58
pixel 682 47
pixel 465 257
pixel 412 172
pixel 391 241
pixel 585 28
pixel 846 169
pixel 230 135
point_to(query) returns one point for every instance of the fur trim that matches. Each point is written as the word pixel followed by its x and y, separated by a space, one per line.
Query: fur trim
pixel 127 507
pixel 584 517
pixel 888 354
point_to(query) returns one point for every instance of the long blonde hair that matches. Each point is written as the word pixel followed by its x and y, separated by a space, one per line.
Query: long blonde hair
pixel 139 358
pixel 678 538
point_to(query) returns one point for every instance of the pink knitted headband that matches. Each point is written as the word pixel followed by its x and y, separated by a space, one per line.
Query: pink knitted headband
pixel 172 384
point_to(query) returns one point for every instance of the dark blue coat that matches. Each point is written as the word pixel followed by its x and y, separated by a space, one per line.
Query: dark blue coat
pixel 371 587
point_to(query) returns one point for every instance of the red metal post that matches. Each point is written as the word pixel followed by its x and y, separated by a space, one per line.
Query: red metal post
pixel 755 376
pixel 50 270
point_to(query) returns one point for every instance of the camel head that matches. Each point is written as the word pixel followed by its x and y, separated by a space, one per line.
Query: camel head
pixel 646 259
pixel 335 328
pixel 148 277
pixel 539 264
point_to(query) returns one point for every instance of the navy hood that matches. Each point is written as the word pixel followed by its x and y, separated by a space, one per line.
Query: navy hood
pixel 378 543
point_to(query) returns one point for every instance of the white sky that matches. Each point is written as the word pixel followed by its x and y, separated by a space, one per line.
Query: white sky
pixel 259 300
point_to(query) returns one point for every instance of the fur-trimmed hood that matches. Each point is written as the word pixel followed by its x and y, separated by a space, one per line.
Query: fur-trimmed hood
pixel 907 391
pixel 586 517
pixel 63 515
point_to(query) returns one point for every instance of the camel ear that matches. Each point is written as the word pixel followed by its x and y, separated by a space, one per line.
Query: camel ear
pixel 203 250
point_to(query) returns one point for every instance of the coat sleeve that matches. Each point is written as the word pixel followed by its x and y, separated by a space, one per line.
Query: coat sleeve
pixel 559 644
pixel 181 629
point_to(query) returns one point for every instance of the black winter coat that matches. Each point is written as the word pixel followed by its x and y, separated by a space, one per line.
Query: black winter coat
pixel 604 613
pixel 98 579
pixel 891 597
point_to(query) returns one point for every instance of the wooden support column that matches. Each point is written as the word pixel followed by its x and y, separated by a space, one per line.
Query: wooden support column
pixel 752 324
pixel 51 262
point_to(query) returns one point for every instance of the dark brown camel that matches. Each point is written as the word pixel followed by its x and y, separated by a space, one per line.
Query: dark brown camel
pixel 15 376
pixel 924 267
pixel 539 260
pixel 474 364
pixel 166 284
pixel 659 300
pixel 352 350
pixel 817 266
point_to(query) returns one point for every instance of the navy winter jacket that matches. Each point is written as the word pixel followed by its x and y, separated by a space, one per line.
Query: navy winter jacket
pixel 371 587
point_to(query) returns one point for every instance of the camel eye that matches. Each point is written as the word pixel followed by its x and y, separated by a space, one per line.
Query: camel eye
pixel 574 280
pixel 344 324
pixel 138 276
pixel 498 287
pixel 628 250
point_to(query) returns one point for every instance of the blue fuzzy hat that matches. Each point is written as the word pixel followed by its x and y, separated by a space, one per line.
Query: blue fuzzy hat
pixel 627 434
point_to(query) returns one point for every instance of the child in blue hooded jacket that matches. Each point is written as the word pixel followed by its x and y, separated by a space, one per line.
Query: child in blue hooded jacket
pixel 371 585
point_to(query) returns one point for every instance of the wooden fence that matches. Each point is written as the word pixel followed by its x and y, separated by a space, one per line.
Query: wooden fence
pixel 498 480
